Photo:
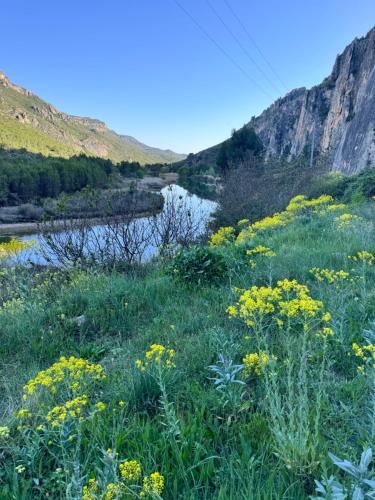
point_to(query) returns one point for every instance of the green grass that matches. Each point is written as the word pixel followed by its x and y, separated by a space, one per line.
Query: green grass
pixel 222 450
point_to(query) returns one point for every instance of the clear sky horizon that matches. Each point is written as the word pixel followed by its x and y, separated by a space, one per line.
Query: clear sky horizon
pixel 146 69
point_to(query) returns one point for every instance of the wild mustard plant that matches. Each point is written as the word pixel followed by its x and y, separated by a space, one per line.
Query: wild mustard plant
pixel 157 362
pixel 123 481
pixel 364 260
pixel 13 247
pixel 299 205
pixel 223 236
pixel 255 363
pixel 346 220
pixel 289 313
pixel 329 275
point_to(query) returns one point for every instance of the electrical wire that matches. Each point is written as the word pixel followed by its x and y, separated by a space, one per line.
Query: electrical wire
pixel 240 44
pixel 255 44
pixel 220 48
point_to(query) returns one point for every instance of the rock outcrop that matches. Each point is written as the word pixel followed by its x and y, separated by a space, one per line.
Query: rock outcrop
pixel 337 116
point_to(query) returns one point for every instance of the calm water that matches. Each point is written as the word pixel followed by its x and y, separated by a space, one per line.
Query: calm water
pixel 200 208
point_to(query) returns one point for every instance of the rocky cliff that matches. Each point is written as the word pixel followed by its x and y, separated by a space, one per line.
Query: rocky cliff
pixel 337 116
pixel 28 122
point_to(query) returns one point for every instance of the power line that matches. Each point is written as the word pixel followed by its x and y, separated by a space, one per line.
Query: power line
pixel 255 45
pixel 220 48
pixel 240 44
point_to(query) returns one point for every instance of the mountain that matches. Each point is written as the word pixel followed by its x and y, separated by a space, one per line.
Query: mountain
pixel 337 116
pixel 28 122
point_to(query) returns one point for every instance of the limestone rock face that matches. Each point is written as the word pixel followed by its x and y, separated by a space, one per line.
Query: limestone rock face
pixel 338 116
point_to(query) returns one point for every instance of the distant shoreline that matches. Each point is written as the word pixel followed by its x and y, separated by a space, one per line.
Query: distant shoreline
pixel 145 184
pixel 25 228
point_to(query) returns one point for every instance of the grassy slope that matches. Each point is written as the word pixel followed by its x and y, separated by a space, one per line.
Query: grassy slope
pixel 48 133
pixel 225 453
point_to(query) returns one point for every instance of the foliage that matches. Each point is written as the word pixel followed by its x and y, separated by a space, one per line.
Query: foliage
pixel 198 265
pixel 362 485
pixel 302 326
pixel 242 146
pixel 356 188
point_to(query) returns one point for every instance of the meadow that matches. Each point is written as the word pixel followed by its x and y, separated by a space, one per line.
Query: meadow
pixel 240 369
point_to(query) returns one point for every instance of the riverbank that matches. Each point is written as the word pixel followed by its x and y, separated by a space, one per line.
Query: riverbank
pixel 27 228
pixel 14 217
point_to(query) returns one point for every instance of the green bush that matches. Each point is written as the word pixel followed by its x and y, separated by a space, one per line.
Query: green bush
pixel 199 265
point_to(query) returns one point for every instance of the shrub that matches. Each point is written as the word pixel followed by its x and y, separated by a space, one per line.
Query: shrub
pixel 199 265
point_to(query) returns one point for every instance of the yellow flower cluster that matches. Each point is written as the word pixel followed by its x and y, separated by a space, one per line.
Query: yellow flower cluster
pixel 223 236
pixel 72 408
pixel 288 299
pixel 300 202
pixel 255 363
pixel 243 222
pixel 261 250
pixel 112 491
pixel 271 222
pixel 12 306
pixel 66 369
pixel 364 257
pixel 13 247
pixel 345 220
pixel 130 470
pixel 89 490
pixel 157 355
pixel 152 485
pixel 4 432
pixel 275 220
pixel 295 207
pixel 366 354
pixel 24 414
pixel 336 206
pixel 325 332
pixel 329 275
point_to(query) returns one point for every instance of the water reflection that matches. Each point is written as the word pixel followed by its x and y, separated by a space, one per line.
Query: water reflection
pixel 199 208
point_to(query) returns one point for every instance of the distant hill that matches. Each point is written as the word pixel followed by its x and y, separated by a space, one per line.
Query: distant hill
pixel 28 122
pixel 337 117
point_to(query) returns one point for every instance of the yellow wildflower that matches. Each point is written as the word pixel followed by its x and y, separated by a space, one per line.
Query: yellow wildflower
pixel 130 470
pixel 4 432
pixel 223 236
pixel 255 363
pixel 100 406
pixel 261 250
pixel 153 484
pixel 66 369
pixel 345 220
pixel 363 256
pixel 157 355
pixel 329 275
pixel 89 491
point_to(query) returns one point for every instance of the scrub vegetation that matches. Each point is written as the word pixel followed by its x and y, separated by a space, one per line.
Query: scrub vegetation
pixel 243 368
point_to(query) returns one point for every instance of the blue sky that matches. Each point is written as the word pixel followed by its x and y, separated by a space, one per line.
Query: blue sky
pixel 147 70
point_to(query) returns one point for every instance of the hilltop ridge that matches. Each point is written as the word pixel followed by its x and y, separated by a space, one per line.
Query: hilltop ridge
pixel 27 121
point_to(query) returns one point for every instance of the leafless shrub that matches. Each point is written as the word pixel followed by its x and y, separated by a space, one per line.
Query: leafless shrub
pixel 126 238
pixel 181 221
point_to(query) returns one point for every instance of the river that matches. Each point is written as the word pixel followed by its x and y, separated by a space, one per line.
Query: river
pixel 201 209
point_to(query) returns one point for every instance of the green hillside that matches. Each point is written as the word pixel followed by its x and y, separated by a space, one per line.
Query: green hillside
pixel 26 121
